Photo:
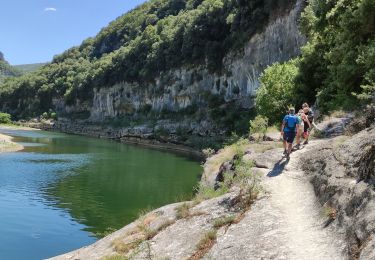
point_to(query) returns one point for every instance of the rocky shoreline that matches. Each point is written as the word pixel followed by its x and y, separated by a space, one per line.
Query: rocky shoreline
pixel 332 220
pixel 132 136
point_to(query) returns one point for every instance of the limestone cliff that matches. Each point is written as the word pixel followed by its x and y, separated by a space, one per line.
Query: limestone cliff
pixel 182 90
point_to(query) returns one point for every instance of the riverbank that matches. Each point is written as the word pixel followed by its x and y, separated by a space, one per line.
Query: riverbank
pixel 6 144
pixel 140 137
pixel 271 222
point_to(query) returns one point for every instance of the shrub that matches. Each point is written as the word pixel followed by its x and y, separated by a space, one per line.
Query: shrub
pixel 259 126
pixel 277 90
pixel 45 115
pixel 207 192
pixel 248 181
pixel 208 152
pixel 5 118
pixel 53 115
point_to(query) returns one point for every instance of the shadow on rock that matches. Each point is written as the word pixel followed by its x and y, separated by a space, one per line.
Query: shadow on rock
pixel 278 168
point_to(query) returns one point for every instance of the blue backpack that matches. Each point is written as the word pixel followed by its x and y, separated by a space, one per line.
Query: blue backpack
pixel 290 122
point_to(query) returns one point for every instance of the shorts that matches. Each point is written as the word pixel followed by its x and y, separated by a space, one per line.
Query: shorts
pixel 289 137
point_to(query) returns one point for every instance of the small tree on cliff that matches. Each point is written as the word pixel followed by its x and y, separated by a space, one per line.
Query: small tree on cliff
pixel 259 126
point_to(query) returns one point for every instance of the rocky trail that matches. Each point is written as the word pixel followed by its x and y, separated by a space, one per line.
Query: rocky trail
pixel 319 205
pixel 286 223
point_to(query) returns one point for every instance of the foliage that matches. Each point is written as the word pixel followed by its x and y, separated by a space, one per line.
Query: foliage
pixel 139 46
pixel 338 63
pixel 277 90
pixel 259 126
pixel 26 68
pixel 183 210
pixel 224 221
pixel 207 192
pixel 5 118
pixel 49 115
pixel 6 70
pixel 208 152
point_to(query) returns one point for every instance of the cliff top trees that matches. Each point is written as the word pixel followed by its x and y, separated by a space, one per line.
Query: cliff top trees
pixel 153 38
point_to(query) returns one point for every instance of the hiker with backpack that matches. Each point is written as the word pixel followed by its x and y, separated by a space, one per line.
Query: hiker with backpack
pixel 308 122
pixel 289 129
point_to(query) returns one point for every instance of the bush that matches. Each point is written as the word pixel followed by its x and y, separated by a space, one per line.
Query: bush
pixel 259 126
pixel 5 118
pixel 45 115
pixel 53 115
pixel 338 62
pixel 277 90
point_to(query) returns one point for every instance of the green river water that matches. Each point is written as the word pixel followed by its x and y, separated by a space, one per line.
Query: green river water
pixel 63 191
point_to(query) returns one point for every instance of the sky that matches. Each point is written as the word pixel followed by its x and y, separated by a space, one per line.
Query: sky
pixel 33 31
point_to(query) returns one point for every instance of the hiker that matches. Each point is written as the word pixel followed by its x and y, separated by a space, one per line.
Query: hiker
pixel 308 122
pixel 288 131
pixel 301 115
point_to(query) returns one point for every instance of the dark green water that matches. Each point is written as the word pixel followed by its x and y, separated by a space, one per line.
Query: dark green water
pixel 62 191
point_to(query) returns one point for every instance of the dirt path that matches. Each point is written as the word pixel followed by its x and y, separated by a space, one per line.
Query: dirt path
pixel 305 219
pixel 288 223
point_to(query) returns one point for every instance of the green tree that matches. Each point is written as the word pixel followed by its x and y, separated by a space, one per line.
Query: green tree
pixel 259 126
pixel 337 64
pixel 5 118
pixel 277 90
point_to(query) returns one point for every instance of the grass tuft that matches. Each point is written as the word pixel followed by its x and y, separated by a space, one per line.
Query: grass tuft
pixel 123 248
pixel 207 240
pixel 223 221
pixel 330 212
pixel 115 257
pixel 183 210
pixel 204 245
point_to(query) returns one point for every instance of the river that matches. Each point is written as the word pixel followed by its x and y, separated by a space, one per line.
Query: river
pixel 63 191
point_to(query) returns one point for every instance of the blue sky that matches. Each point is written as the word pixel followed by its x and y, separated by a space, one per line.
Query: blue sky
pixel 34 31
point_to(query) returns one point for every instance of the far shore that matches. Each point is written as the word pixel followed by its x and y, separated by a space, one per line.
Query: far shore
pixel 17 127
pixel 181 149
pixel 6 143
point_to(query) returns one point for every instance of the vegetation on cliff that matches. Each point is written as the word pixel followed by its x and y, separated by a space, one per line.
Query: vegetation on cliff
pixel 6 70
pixel 337 66
pixel 138 46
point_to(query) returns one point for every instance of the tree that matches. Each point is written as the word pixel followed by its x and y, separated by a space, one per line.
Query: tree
pixel 277 90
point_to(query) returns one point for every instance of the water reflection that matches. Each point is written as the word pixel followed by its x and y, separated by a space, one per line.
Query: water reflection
pixel 61 190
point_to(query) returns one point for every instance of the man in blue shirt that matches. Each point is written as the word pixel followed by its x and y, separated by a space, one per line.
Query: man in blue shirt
pixel 289 130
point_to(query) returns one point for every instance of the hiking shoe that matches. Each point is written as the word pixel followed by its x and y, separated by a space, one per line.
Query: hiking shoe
pixel 298 146
pixel 287 156
pixel 306 142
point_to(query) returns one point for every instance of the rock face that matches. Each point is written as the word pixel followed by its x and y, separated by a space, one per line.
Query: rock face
pixel 182 88
pixel 281 224
pixel 1 56
pixel 343 175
